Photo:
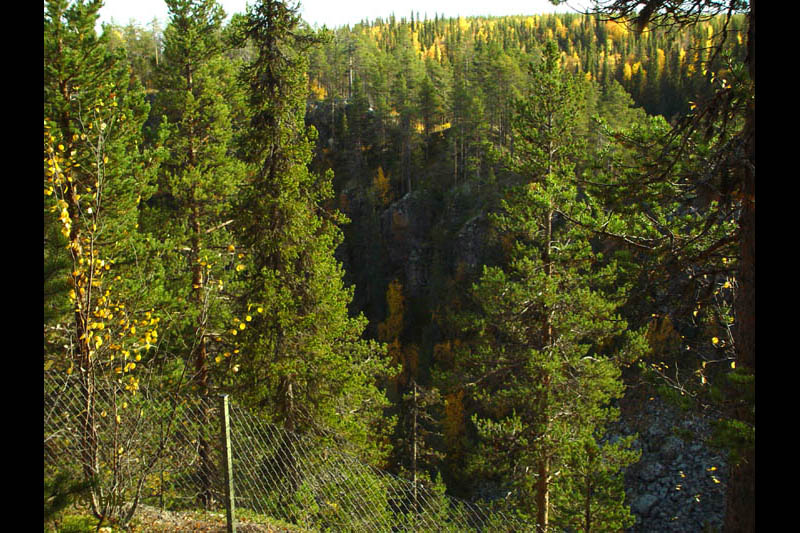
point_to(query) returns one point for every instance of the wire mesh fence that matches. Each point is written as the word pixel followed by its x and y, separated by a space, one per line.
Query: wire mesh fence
pixel 149 447
pixel 167 451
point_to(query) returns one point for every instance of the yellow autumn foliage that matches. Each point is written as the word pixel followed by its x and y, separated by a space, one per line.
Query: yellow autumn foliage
pixel 390 329
pixel 382 187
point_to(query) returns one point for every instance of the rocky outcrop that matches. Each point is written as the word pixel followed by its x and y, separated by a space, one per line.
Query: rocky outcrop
pixel 405 227
pixel 470 243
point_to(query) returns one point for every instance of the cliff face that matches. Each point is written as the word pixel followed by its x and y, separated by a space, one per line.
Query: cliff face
pixel 423 237
pixel 405 228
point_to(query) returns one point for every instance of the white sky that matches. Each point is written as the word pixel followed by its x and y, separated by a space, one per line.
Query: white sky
pixel 337 13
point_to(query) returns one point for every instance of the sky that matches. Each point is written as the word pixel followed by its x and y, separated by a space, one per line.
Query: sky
pixel 340 12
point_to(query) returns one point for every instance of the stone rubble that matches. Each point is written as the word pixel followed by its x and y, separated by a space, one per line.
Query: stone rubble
pixel 678 485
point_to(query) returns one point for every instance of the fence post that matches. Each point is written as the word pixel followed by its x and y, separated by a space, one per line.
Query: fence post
pixel 228 460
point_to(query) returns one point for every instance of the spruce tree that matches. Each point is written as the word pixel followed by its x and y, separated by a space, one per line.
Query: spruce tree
pixel 305 361
pixel 543 361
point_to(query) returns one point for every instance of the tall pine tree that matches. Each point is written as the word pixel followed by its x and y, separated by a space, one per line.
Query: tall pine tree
pixel 543 361
pixel 199 179
pixel 199 176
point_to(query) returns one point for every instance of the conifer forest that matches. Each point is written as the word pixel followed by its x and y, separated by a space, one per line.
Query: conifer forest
pixel 468 250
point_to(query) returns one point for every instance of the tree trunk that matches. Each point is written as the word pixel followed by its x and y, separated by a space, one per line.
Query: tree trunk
pixel 200 355
pixel 201 369
pixel 543 482
pixel 543 496
pixel 740 512
pixel 587 510
pixel 414 453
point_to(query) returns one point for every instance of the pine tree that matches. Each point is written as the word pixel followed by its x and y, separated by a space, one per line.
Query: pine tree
pixel 617 108
pixel 199 179
pixel 594 487
pixel 541 361
pixel 305 361
pixel 417 429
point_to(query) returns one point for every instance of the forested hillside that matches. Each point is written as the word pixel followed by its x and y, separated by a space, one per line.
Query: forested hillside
pixel 455 244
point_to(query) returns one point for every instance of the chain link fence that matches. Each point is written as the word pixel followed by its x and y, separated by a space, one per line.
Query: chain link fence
pixel 168 451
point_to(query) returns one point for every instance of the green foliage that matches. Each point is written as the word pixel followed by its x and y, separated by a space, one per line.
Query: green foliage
pixel 198 181
pixel 73 523
pixel 142 48
pixel 95 174
pixel 56 269
pixel 305 352
pixel 593 487
pixel 417 431
pixel 662 70
pixel 210 197
pixel 543 324
pixel 736 436
pixel 617 107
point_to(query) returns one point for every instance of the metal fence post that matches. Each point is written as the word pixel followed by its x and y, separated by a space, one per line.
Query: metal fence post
pixel 228 460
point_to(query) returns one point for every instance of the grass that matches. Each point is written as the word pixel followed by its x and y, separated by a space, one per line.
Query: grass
pixel 78 519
